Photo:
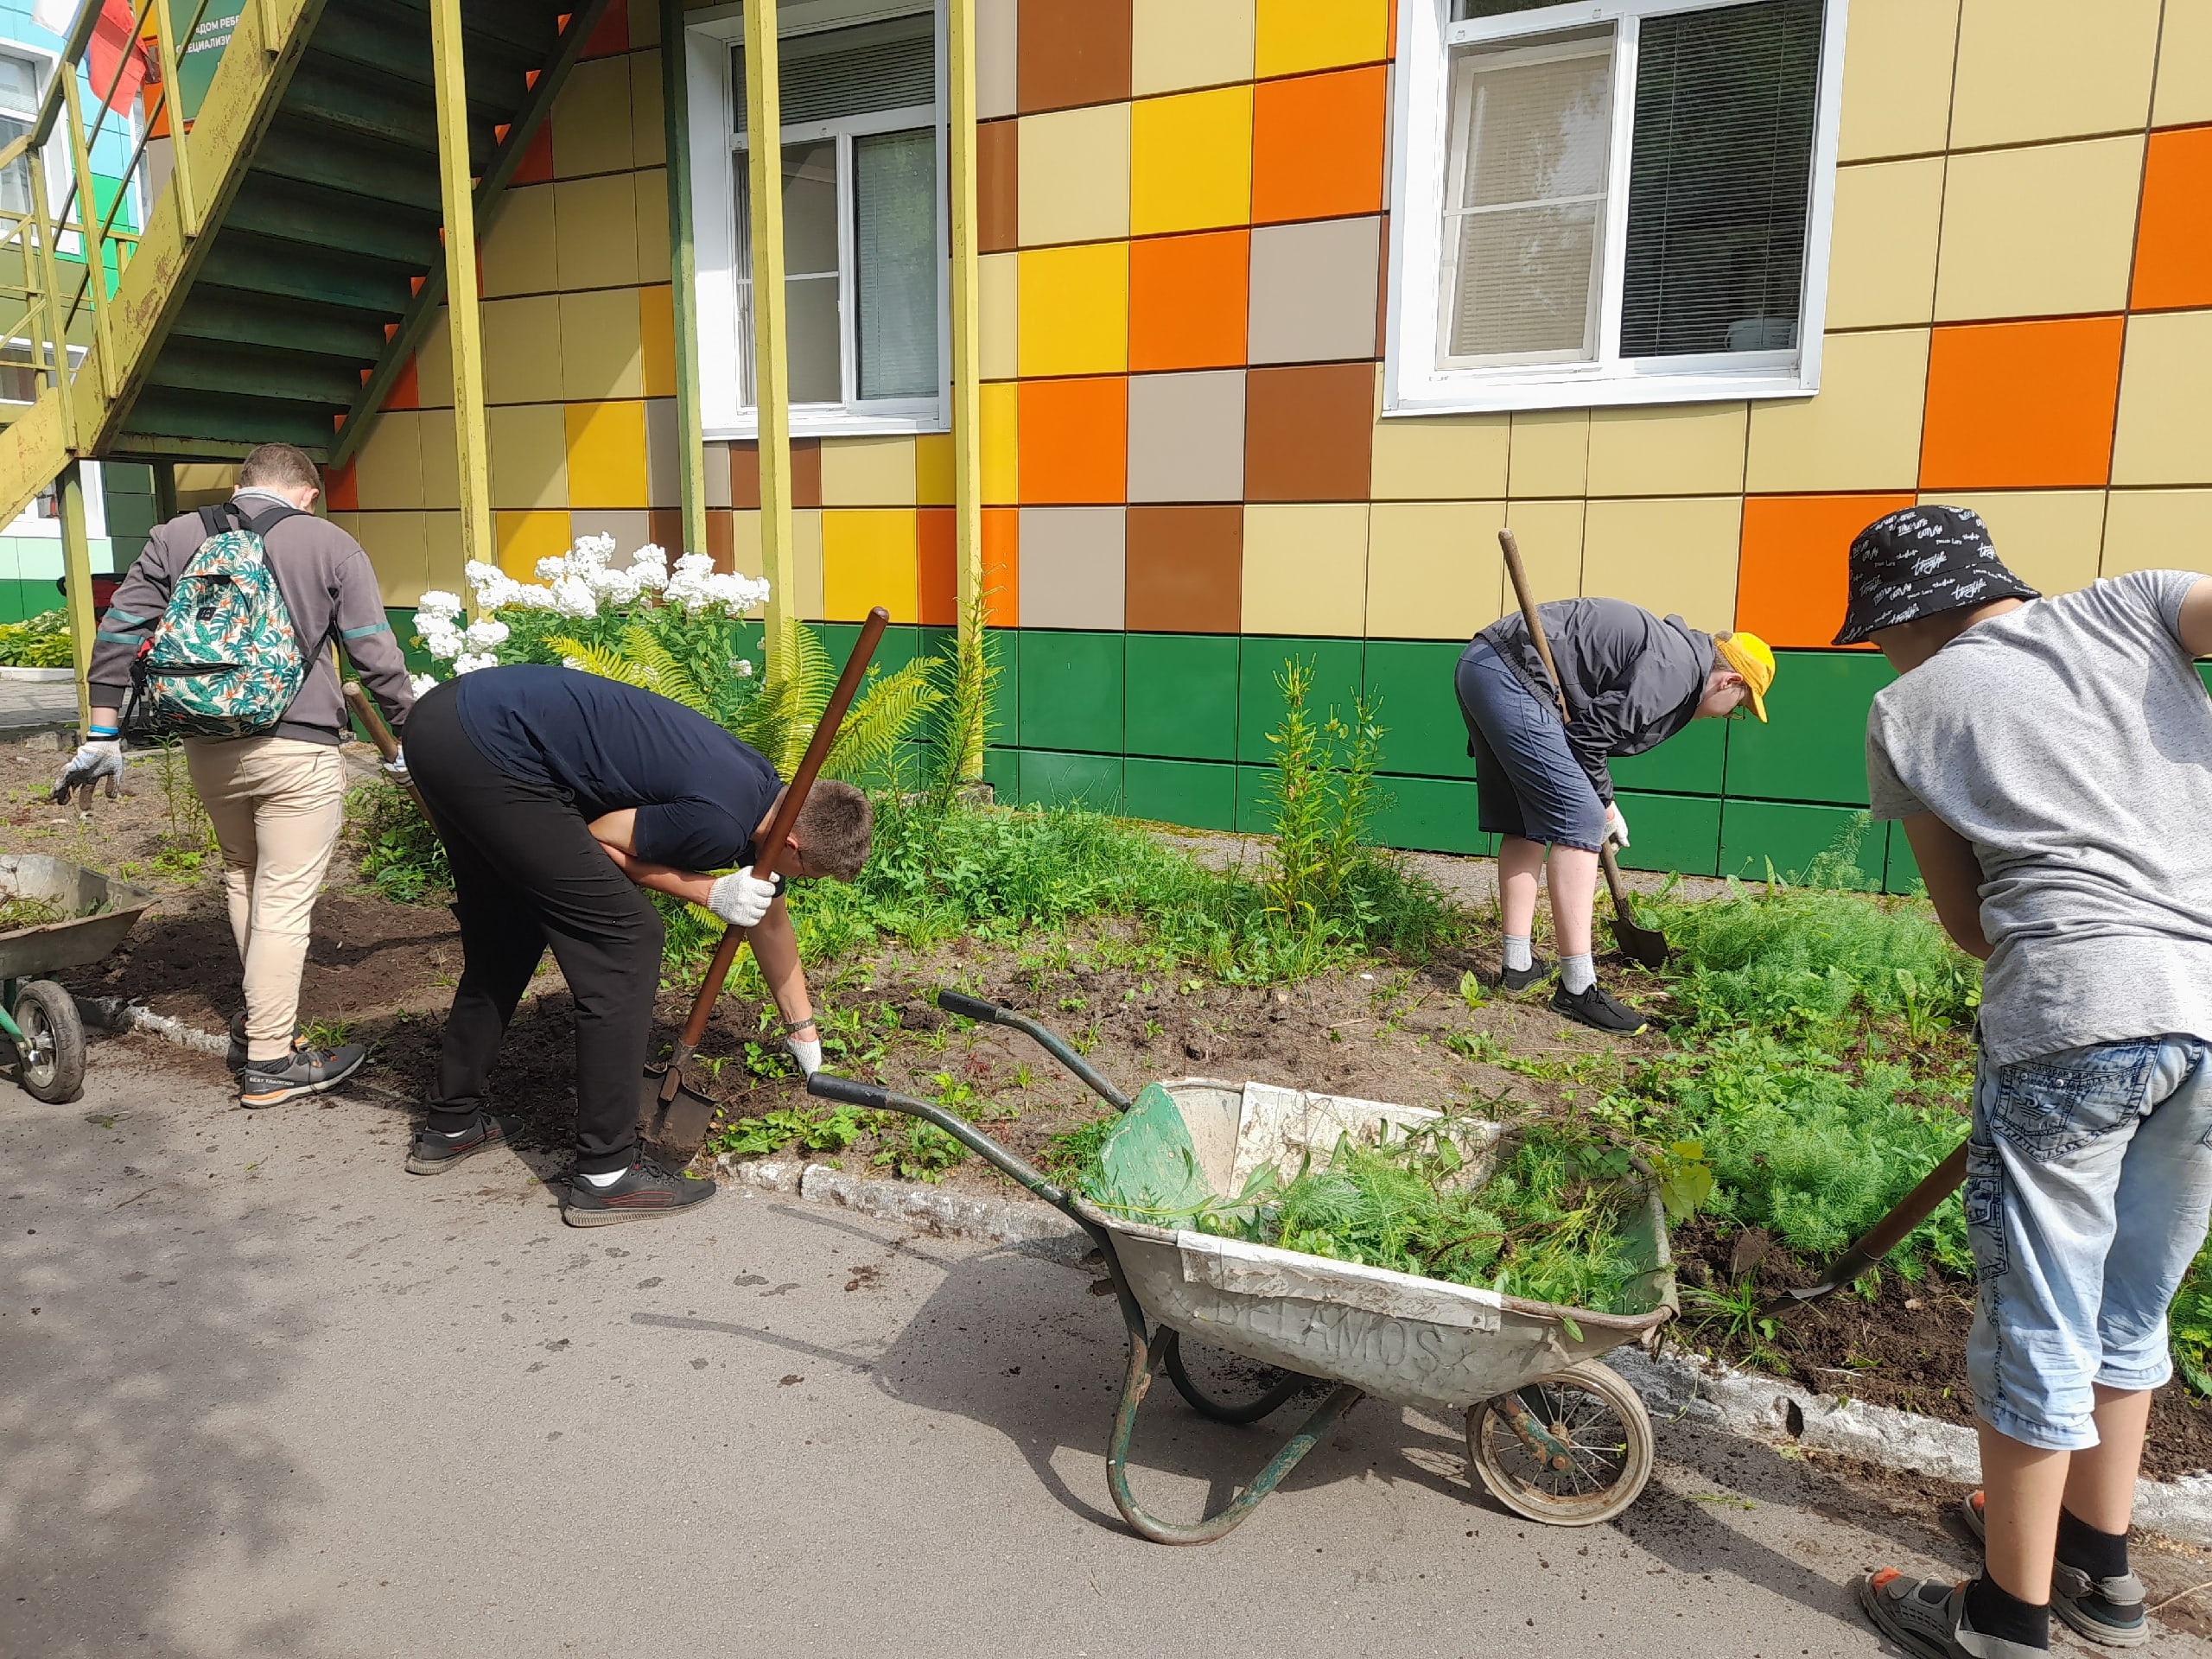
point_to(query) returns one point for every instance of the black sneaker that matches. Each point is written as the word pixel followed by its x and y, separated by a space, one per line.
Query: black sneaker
pixel 1597 1009
pixel 645 1191
pixel 303 1071
pixel 435 1153
pixel 1520 979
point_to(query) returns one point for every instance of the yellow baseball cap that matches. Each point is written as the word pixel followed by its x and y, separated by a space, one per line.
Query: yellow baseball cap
pixel 1750 657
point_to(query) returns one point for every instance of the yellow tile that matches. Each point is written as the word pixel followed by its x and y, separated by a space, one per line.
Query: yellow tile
pixel 2051 539
pixel 997 285
pixel 1074 309
pixel 448 564
pixel 1001 445
pixel 1177 43
pixel 807 562
pixel 530 466
pixel 591 119
pixel 1889 220
pixel 2038 231
pixel 606 455
pixel 593 232
pixel 1191 161
pixel 2166 400
pixel 397 552
pixel 517 256
pixel 2031 69
pixel 1295 36
pixel 868 472
pixel 1549 534
pixel 440 461
pixel 648 127
pixel 526 537
pixel 434 366
pixel 657 340
pixel 1075 174
pixel 997 62
pixel 869 558
pixel 934 481
pixel 1550 453
pixel 1459 457
pixel 1687 450
pixel 1671 556
pixel 2184 88
pixel 601 355
pixel 388 471
pixel 745 542
pixel 1896 77
pixel 2157 529
pixel 1306 569
pixel 522 350
pixel 1433 569
pixel 1861 432
pixel 653 225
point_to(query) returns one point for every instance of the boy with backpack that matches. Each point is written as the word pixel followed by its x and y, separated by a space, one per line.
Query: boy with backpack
pixel 2051 762
pixel 221 636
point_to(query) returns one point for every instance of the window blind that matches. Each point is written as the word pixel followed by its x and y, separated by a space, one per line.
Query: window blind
pixel 845 72
pixel 894 265
pixel 1720 178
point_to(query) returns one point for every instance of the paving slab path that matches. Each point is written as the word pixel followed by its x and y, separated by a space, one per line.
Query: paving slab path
pixel 262 1393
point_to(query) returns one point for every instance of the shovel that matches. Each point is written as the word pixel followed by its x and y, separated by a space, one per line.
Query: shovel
pixel 1883 1237
pixel 1638 944
pixel 672 1114
pixel 380 735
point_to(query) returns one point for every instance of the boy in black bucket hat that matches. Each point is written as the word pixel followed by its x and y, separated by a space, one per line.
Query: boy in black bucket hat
pixel 2051 762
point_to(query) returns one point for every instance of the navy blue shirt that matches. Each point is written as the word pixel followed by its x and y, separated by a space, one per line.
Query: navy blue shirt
pixel 699 792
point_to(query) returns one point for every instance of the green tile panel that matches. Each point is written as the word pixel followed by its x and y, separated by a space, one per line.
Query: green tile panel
pixel 1409 682
pixel 1181 696
pixel 1430 815
pixel 1903 875
pixel 1791 836
pixel 1814 746
pixel 1337 667
pixel 1201 794
pixel 1071 692
pixel 1671 832
pixel 1049 779
pixel 1688 763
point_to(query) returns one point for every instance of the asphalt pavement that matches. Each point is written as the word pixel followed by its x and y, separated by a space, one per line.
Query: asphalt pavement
pixel 263 1393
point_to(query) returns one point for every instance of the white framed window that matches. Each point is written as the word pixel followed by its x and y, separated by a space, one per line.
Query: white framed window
pixel 1620 202
pixel 865 237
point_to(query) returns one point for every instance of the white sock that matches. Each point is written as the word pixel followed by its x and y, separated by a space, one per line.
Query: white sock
pixel 1577 974
pixel 1518 957
pixel 603 1180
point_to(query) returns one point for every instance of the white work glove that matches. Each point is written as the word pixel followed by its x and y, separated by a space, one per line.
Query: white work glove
pixel 395 770
pixel 99 759
pixel 740 900
pixel 1616 825
pixel 805 1052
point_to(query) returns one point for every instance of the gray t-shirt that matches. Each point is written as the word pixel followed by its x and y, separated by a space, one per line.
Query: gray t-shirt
pixel 2071 741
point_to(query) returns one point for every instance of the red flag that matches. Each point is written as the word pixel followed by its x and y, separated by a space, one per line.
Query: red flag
pixel 113 46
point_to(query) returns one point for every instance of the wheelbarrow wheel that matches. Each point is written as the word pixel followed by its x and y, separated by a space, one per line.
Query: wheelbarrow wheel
pixel 1280 1386
pixel 1594 1456
pixel 52 1052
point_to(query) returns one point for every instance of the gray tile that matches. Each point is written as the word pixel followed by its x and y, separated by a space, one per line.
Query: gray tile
pixel 1074 567
pixel 1186 436
pixel 1313 290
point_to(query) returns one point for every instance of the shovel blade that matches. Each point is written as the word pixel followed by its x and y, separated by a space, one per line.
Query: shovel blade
pixel 677 1127
pixel 1642 946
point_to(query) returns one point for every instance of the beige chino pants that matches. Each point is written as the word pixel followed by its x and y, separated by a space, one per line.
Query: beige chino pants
pixel 277 805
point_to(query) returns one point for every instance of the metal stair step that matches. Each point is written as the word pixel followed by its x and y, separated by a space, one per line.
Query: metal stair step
pixel 255 372
pixel 290 270
pixel 227 316
pixel 286 210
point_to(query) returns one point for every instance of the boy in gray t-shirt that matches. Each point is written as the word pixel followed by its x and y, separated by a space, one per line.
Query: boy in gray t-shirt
pixel 2051 760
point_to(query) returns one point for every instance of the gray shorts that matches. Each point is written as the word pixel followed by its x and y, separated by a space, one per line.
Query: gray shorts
pixel 2088 1184
pixel 1528 782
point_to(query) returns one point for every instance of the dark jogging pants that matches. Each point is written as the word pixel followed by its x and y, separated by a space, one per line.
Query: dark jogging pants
pixel 527 875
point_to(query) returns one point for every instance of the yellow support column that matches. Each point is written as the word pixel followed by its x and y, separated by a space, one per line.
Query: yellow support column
pixel 967 349
pixel 457 188
pixel 77 567
pixel 763 178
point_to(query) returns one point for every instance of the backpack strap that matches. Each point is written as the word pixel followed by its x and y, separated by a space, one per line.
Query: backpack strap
pixel 229 515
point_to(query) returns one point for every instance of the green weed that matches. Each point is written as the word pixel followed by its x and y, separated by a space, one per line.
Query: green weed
pixel 917 1151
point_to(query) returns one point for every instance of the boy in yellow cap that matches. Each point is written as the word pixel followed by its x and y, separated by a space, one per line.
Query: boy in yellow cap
pixel 1631 681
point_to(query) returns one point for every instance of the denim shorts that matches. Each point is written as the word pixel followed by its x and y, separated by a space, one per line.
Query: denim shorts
pixel 2088 1183
pixel 1528 782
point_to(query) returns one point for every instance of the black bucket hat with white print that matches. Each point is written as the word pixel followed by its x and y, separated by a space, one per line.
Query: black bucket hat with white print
pixel 1921 561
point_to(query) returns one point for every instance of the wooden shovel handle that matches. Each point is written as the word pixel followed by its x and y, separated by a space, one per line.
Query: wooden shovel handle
pixel 1519 572
pixel 380 735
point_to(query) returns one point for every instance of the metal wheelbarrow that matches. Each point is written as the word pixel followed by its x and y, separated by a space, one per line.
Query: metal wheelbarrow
pixel 38 1016
pixel 1554 1435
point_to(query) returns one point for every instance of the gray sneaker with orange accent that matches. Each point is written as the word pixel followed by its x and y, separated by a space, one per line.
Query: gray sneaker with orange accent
pixel 303 1071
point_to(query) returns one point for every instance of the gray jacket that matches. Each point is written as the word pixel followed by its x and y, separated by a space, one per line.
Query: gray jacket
pixel 1632 680
pixel 329 588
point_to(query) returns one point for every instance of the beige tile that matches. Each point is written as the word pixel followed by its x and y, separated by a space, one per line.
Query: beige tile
pixel 1433 569
pixel 2041 231
pixel 653 225
pixel 717 459
pixel 388 472
pixel 1176 43
pixel 1671 556
pixel 595 231
pixel 1313 290
pixel 1549 534
pixel 1889 220
pixel 997 24
pixel 1306 569
pixel 2031 69
pixel 648 125
pixel 1440 458
pixel 1687 450
pixel 1550 453
pixel 745 542
pixel 517 256
pixel 449 560
pixel 935 472
pixel 399 553
pixel 1186 436
pixel 522 350
pixel 530 456
pixel 2157 529
pixel 1896 77
pixel 591 119
pixel 631 527
pixel 434 366
pixel 2166 400
pixel 440 461
pixel 2184 87
pixel 1860 432
pixel 2051 539
pixel 806 560
pixel 1075 175
pixel 998 287
pixel 1074 567
pixel 868 472
pixel 601 354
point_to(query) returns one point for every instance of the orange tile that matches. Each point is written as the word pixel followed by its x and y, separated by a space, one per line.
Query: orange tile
pixel 341 493
pixel 2173 230
pixel 612 34
pixel 940 576
pixel 1317 146
pixel 1002 567
pixel 404 393
pixel 536 164
pixel 1791 579
pixel 1074 437
pixel 1187 301
pixel 2021 405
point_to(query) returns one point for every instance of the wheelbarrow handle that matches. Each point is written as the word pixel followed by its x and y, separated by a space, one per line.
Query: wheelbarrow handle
pixel 973 1007
pixel 851 1091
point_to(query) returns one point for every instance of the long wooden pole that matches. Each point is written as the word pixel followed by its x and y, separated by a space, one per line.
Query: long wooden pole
pixel 76 567
pixel 967 348
pixel 456 189
pixel 764 194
